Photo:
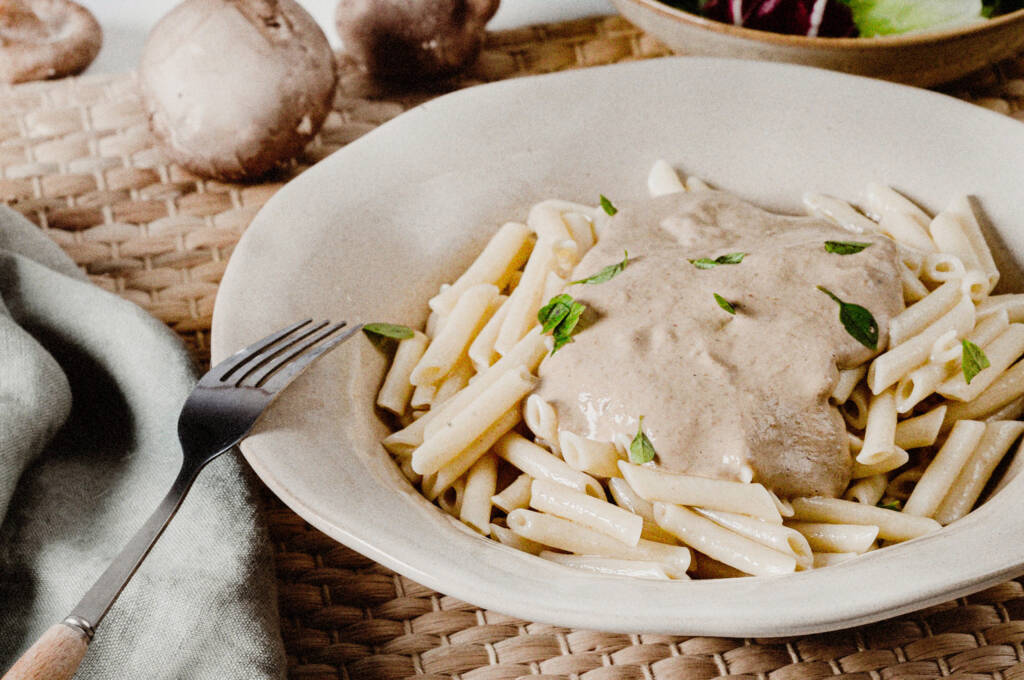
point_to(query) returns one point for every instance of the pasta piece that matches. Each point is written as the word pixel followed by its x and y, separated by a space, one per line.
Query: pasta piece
pixel 1005 389
pixel 542 420
pixel 975 285
pixel 578 507
pixel 455 381
pixel 960 207
pixel 506 536
pixel 913 289
pixel 506 252
pixel 855 408
pixel 451 500
pixel 481 481
pixel 481 351
pixel 540 464
pixel 940 474
pixel 896 459
pixel 837 538
pixel 1012 304
pixel 467 318
pixel 581 228
pixel 525 300
pixel 906 230
pixel 466 426
pixel 824 559
pixel 774 536
pixel 457 466
pixel 1001 353
pixel 920 315
pixel 848 379
pixel 587 455
pixel 435 320
pixel 880 431
pixel 840 212
pixel 997 440
pixel 785 508
pixel 891 525
pixel 514 496
pixel 565 535
pixel 713 494
pixel 423 396
pixel 1012 411
pixel 720 543
pixel 942 268
pixel 663 179
pixel 625 497
pixel 547 222
pixel 949 236
pixel 554 285
pixel 1013 469
pixel 887 369
pixel 396 391
pixel 868 490
pixel 921 430
pixel 902 485
pixel 883 199
pixel 609 565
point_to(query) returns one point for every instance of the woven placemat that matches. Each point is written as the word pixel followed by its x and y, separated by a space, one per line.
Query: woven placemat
pixel 78 159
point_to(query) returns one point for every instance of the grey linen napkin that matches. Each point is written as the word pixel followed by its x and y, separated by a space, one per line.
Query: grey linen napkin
pixel 90 389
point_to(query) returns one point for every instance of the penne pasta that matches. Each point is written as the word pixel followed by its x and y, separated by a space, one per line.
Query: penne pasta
pixel 1011 303
pixel 663 179
pixel 839 212
pixel 541 418
pixel 396 391
pixel 525 300
pixel 848 380
pixel 938 477
pixel 1001 353
pixel 922 430
pixel 960 207
pixel 609 565
pixel 506 536
pixel 890 524
pixel 722 544
pixel 883 199
pixel 880 431
pixel 481 480
pixel 436 483
pixel 540 464
pixel 481 351
pixel 587 455
pixel 868 490
pixel 837 538
pixel 713 494
pixel 1005 389
pixel 920 315
pixel 965 491
pixel 774 536
pixel 578 507
pixel 514 496
pixel 467 318
pixel 906 230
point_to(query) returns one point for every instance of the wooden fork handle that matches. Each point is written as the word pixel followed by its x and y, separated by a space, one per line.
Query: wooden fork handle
pixel 54 656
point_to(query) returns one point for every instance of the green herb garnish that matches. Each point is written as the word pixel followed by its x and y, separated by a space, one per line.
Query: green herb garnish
pixel 559 317
pixel 708 263
pixel 974 360
pixel 857 321
pixel 389 330
pixel 845 247
pixel 641 450
pixel 891 505
pixel 607 205
pixel 607 273
pixel 724 304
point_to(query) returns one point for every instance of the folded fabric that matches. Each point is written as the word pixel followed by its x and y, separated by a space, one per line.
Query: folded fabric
pixel 90 389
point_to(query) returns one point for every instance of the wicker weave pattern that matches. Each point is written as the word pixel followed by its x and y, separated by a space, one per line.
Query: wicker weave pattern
pixel 76 156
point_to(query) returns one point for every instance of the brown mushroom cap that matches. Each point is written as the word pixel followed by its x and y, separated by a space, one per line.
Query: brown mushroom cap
pixel 404 39
pixel 234 87
pixel 46 39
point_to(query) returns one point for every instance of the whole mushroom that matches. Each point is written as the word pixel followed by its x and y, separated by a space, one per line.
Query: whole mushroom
pixel 408 39
pixel 235 87
pixel 46 39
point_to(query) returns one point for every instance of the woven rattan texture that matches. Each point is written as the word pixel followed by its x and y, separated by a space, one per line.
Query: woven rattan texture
pixel 77 158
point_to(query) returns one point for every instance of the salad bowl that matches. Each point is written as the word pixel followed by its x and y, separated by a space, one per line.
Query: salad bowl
pixel 923 58
pixel 371 232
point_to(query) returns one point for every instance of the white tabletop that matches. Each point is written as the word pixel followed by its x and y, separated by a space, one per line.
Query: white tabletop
pixel 127 22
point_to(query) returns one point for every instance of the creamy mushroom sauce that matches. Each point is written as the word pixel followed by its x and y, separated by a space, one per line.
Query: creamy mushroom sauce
pixel 722 395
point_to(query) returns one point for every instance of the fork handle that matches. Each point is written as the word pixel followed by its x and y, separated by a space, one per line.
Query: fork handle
pixel 55 656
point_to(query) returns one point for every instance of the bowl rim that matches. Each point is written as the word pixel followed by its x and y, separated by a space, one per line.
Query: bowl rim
pixel 844 44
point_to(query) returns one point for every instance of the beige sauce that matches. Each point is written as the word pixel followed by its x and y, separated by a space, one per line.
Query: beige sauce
pixel 720 393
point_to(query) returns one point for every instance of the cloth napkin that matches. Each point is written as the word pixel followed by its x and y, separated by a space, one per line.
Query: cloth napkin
pixel 90 390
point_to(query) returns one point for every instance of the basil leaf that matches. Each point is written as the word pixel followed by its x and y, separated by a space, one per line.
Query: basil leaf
pixel 724 304
pixel 552 314
pixel 560 317
pixel 708 263
pixel 892 505
pixel 845 247
pixel 641 450
pixel 607 205
pixel 857 321
pixel 389 330
pixel 974 360
pixel 606 274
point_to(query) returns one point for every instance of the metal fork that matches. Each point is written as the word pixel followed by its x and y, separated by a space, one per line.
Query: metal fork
pixel 219 413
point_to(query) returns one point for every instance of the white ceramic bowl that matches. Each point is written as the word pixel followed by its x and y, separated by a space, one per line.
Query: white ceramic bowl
pixel 369 233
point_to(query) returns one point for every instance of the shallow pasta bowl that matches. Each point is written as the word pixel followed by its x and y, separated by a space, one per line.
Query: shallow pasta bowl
pixel 371 232
pixel 925 58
